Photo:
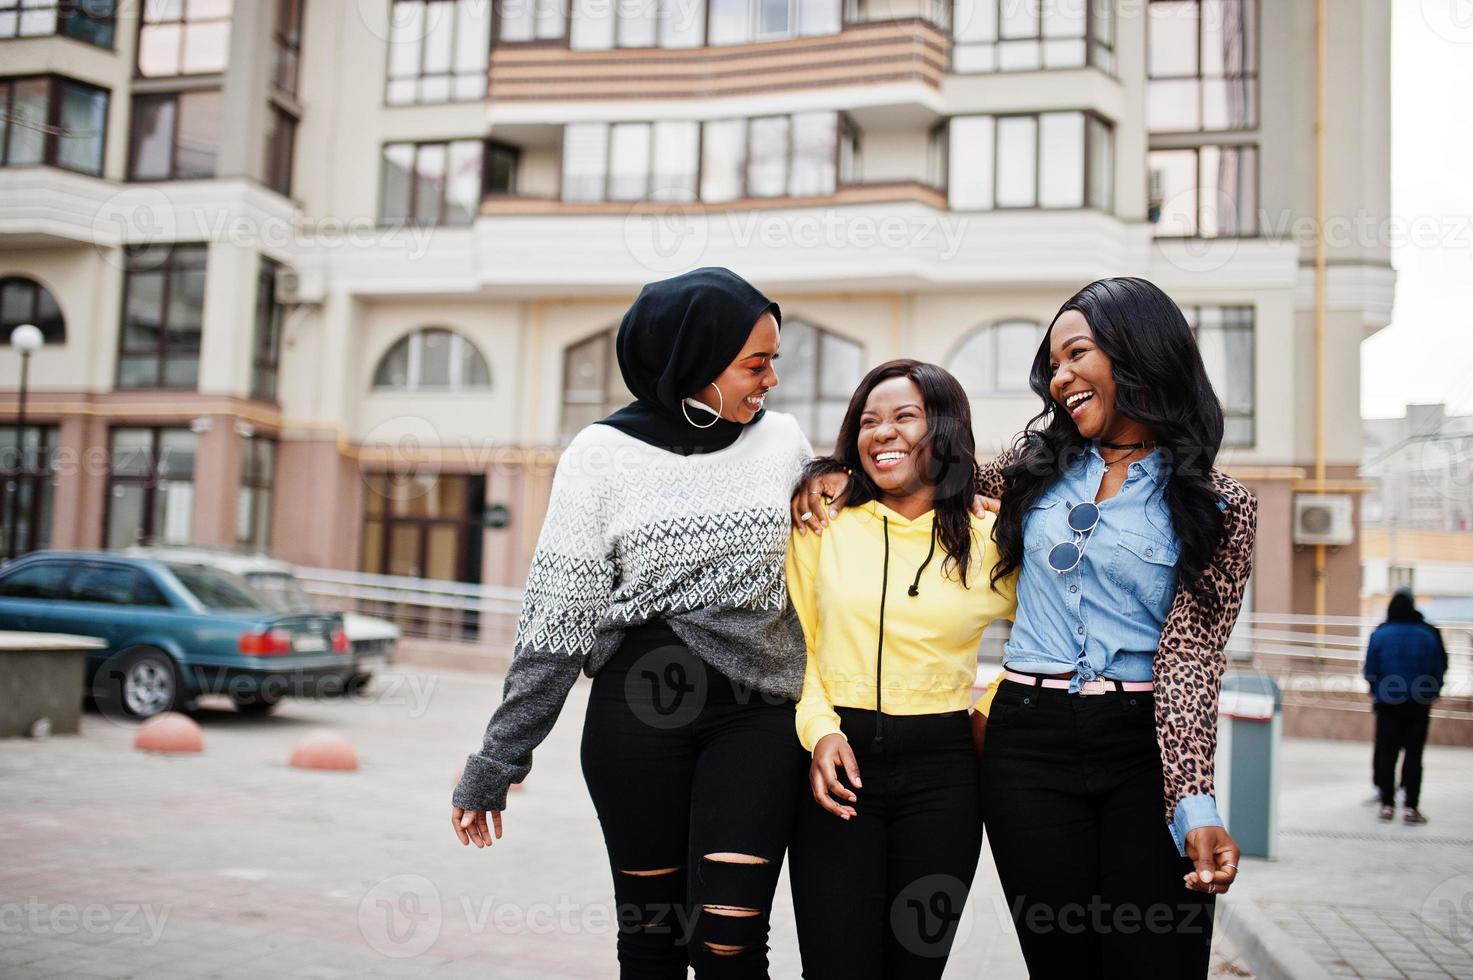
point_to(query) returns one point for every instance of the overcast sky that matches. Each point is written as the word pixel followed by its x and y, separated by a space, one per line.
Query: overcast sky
pixel 1426 354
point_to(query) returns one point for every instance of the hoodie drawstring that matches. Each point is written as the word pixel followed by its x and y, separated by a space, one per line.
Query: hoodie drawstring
pixel 915 587
pixel 878 744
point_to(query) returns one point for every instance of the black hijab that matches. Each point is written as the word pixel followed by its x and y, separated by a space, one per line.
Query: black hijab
pixel 676 339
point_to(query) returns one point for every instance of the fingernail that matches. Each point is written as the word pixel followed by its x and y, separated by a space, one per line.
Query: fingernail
pixel 1206 875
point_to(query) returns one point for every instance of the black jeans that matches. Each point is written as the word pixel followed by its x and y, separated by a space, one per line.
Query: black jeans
pixel 882 894
pixel 1400 728
pixel 1072 801
pixel 694 778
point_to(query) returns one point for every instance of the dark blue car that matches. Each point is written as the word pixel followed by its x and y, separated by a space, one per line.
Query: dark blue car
pixel 174 631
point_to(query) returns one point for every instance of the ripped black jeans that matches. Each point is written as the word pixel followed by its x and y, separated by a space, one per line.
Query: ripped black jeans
pixel 695 780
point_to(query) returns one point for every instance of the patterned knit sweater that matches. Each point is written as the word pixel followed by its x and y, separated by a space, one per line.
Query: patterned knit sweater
pixel 635 533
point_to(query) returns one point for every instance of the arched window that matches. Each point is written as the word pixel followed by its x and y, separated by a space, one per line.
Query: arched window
pixel 995 358
pixel 592 384
pixel 27 301
pixel 432 359
pixel 817 373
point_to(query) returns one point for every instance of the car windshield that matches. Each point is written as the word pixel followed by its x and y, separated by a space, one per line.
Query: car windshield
pixel 216 589
pixel 279 590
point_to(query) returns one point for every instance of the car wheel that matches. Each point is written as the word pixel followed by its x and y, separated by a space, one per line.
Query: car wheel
pixel 255 702
pixel 358 683
pixel 148 683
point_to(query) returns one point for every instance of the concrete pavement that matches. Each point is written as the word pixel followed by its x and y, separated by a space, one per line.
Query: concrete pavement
pixel 230 864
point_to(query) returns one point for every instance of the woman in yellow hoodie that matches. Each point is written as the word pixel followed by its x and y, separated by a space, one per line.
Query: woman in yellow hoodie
pixel 893 599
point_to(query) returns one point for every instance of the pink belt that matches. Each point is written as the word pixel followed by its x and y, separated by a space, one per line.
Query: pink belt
pixel 1099 685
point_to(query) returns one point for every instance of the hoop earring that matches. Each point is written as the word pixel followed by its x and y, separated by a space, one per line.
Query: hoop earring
pixel 722 402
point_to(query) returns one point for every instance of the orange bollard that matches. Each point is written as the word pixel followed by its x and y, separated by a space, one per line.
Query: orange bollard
pixel 324 750
pixel 169 732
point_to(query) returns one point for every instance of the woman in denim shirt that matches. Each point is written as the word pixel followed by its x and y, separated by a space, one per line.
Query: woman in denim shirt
pixel 1132 554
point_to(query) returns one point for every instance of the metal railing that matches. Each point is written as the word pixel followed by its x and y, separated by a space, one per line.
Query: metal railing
pixel 1321 654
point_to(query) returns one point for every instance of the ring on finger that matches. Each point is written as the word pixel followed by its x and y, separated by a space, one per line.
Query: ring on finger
pixel 807 515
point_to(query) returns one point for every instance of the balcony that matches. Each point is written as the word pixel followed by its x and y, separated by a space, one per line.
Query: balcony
pixel 869 53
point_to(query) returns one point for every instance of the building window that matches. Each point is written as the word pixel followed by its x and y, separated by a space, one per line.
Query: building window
pixel 630 161
pixel 47 119
pixel 27 485
pixel 809 154
pixel 176 135
pixel 427 525
pixel 592 383
pixel 184 38
pixel 150 486
pixel 438 51
pixel 253 502
pixel 1029 35
pixel 281 138
pixel 520 21
pixel 997 358
pixel 1204 192
pixel 1202 68
pixel 27 301
pixel 819 372
pixel 432 359
pixel 286 45
pixel 745 21
pixel 500 173
pixel 163 316
pixel 431 183
pixel 92 21
pixel 1050 160
pixel 599 25
pixel 266 342
pixel 1225 338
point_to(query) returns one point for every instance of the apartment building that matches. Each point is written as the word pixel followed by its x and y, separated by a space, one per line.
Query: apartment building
pixel 337 280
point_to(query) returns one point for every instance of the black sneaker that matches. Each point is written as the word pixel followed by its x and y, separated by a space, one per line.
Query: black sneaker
pixel 1412 815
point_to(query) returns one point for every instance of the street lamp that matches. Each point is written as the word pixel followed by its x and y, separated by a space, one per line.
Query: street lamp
pixel 25 339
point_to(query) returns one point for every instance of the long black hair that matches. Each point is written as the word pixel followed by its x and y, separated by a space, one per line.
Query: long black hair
pixel 949 451
pixel 1160 381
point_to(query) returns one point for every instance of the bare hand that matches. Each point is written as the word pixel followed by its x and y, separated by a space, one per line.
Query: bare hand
pixel 1216 856
pixel 831 752
pixel 470 826
pixel 981 505
pixel 818 500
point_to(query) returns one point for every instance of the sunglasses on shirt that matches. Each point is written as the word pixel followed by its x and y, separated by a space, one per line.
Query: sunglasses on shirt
pixel 1083 518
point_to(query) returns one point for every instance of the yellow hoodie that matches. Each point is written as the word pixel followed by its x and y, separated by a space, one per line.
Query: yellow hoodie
pixel 929 659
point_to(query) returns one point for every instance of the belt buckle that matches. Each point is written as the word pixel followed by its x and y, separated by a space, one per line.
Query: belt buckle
pixel 1096 686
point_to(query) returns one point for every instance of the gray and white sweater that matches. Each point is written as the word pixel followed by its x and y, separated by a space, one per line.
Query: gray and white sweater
pixel 635 533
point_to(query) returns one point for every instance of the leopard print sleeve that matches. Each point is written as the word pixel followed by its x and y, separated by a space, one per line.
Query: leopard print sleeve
pixel 1190 658
pixel 989 474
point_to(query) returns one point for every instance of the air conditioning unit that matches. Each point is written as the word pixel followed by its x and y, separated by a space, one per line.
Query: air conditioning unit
pixel 1323 519
pixel 299 286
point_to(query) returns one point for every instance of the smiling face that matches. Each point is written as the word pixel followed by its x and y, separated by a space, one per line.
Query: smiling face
pixel 892 429
pixel 747 380
pixel 1083 384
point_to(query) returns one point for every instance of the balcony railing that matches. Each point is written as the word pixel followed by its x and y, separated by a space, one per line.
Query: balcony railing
pixel 872 52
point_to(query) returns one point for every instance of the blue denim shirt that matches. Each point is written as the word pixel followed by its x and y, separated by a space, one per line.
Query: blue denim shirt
pixel 1103 618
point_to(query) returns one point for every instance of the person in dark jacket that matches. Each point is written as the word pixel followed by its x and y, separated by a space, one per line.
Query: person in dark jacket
pixel 1405 665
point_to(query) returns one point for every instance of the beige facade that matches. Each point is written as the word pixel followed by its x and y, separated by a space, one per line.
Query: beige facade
pixel 894 242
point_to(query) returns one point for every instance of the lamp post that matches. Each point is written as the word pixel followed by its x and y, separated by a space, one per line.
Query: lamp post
pixel 25 339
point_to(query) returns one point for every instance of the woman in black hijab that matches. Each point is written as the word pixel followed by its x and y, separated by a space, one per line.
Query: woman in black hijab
pixel 659 573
